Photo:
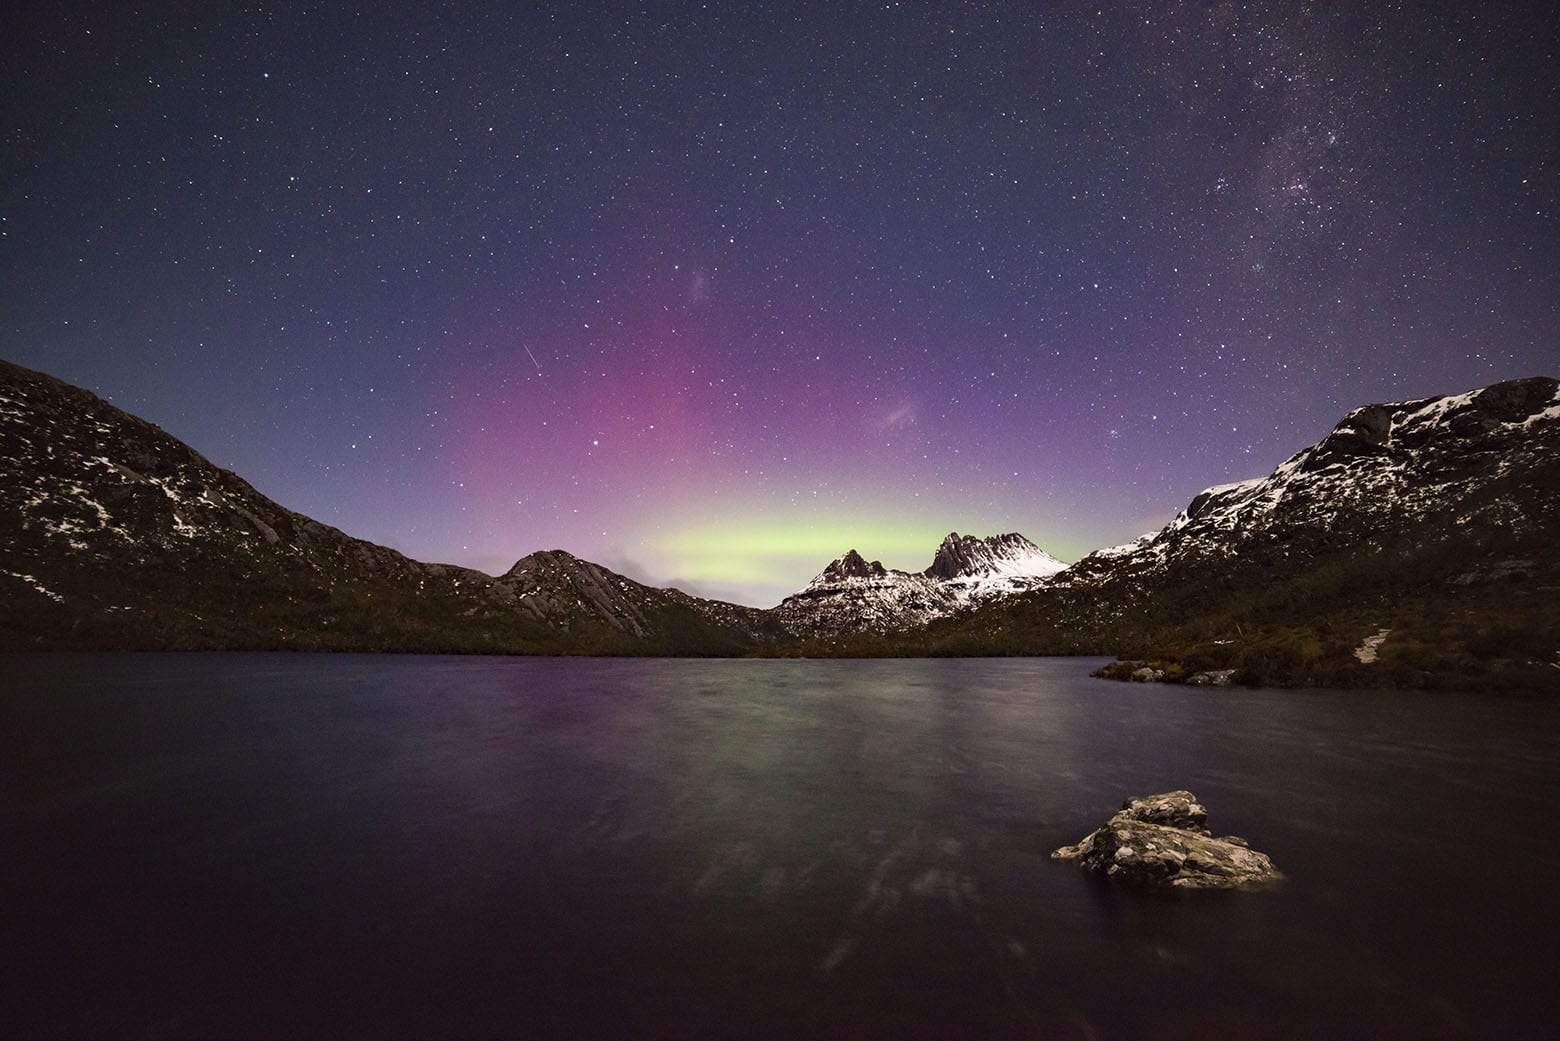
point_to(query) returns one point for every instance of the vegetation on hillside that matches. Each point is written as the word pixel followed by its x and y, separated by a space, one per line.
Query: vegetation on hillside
pixel 1494 625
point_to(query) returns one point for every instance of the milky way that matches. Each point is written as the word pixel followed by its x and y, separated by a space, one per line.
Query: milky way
pixel 712 293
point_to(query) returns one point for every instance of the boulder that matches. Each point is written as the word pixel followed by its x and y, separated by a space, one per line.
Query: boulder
pixel 1178 809
pixel 1212 678
pixel 1160 841
pixel 1117 670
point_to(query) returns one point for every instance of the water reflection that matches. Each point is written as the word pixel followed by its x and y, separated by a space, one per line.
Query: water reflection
pixel 234 845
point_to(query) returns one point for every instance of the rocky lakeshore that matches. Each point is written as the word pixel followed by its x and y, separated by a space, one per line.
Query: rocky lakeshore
pixel 1162 841
pixel 1162 672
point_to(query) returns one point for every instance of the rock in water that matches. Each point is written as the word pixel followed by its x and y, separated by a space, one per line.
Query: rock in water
pixel 1178 809
pixel 1161 841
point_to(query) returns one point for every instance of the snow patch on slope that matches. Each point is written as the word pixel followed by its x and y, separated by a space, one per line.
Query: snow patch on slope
pixel 39 586
pixel 1389 461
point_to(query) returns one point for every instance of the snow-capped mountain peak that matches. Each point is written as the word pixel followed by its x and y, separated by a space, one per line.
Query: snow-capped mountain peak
pixel 851 565
pixel 1005 556
pixel 852 594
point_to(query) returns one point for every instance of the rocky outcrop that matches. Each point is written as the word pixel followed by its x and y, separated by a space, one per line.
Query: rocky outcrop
pixel 852 565
pixel 970 558
pixel 1133 671
pixel 854 595
pixel 1177 809
pixel 1162 841
pixel 1159 672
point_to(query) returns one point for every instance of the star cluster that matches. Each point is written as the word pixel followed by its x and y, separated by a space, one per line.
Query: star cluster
pixel 710 293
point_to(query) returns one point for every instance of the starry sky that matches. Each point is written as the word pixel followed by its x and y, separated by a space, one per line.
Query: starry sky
pixel 710 293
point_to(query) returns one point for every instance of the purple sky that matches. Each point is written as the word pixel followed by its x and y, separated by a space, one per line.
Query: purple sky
pixel 712 293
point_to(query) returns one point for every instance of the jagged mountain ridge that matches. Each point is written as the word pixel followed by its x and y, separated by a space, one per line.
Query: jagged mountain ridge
pixel 1382 468
pixel 1427 526
pixel 1432 521
pixel 126 537
pixel 966 558
pixel 853 594
pixel 119 535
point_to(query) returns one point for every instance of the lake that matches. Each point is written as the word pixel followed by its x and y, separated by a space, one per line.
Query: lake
pixel 310 846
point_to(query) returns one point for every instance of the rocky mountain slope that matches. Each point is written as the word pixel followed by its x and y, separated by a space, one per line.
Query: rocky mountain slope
pixel 1480 462
pixel 115 534
pixel 1414 545
pixel 852 595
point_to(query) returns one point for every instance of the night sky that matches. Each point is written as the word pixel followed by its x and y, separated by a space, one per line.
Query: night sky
pixel 711 293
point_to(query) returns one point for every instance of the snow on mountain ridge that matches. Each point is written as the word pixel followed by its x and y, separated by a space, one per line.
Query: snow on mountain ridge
pixel 1387 461
pixel 851 567
pixel 851 594
pixel 968 558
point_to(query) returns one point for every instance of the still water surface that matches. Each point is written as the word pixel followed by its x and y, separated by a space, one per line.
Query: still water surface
pixel 265 846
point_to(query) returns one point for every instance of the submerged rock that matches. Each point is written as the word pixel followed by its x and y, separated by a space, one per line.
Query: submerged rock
pixel 1162 841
